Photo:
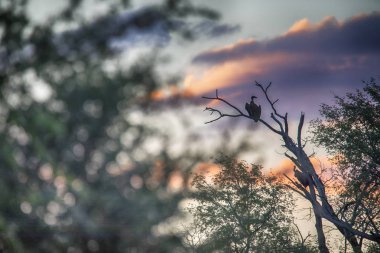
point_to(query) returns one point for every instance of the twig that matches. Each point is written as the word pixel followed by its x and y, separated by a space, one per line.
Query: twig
pixel 265 91
pixel 226 102
pixel 221 115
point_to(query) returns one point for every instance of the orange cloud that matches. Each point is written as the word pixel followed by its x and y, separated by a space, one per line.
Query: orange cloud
pixel 172 91
pixel 300 25
pixel 304 25
pixel 286 166
pixel 231 47
pixel 230 73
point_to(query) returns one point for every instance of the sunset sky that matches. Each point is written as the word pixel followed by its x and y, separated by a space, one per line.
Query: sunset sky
pixel 309 50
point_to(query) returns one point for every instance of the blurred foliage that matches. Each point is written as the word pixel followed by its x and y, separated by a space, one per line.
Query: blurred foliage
pixel 74 174
pixel 350 132
pixel 373 248
pixel 242 210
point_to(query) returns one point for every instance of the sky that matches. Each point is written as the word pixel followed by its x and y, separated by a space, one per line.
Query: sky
pixel 309 50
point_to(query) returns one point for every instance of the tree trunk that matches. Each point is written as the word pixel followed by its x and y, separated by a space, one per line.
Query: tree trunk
pixel 354 244
pixel 351 239
pixel 321 236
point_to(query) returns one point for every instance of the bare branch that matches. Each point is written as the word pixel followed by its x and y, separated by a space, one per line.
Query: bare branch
pixel 300 190
pixel 226 102
pixel 277 121
pixel 300 125
pixel 295 190
pixel 368 214
pixel 265 91
pixel 286 123
pixel 221 115
pixel 305 143
pixel 240 113
pixel 270 127
pixel 294 160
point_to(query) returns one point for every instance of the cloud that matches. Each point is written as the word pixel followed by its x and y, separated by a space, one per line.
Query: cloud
pixel 300 25
pixel 306 63
pixel 211 28
pixel 357 35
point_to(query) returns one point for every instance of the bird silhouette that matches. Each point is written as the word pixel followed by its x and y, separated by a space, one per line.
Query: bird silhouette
pixel 254 110
pixel 302 178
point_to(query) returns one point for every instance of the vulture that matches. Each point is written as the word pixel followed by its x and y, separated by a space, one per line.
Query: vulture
pixel 302 178
pixel 254 110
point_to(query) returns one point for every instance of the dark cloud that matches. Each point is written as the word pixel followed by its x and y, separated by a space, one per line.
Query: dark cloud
pixel 212 29
pixel 359 35
pixel 224 29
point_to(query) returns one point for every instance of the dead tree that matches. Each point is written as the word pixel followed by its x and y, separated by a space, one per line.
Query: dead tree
pixel 315 193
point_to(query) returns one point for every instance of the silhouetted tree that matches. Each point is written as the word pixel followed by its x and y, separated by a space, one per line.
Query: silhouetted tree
pixel 350 131
pixel 242 210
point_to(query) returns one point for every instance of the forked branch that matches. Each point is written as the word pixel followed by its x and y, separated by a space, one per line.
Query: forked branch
pixel 239 113
pixel 221 115
pixel 272 103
